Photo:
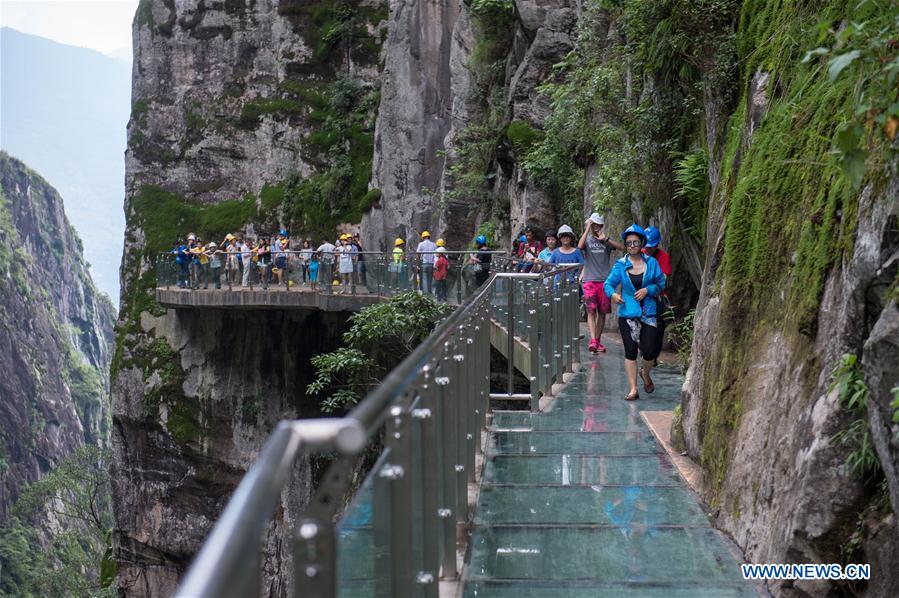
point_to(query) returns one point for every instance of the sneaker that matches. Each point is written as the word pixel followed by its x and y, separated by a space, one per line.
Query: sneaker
pixel 599 347
pixel 592 347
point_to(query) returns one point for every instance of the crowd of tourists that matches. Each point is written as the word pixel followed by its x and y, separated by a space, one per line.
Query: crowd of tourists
pixel 635 282
pixel 239 261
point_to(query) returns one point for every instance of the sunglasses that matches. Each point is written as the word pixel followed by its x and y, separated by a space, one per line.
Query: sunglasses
pixel 633 243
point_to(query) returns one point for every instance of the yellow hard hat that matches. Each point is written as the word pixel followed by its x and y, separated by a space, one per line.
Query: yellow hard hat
pixel 398 242
pixel 425 235
pixel 344 237
pixel 229 237
pixel 440 242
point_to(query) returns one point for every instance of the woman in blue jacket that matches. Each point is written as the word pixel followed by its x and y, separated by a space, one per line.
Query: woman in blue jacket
pixel 641 281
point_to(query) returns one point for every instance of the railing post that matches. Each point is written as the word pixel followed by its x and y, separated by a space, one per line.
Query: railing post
pixel 566 323
pixel 510 336
pixel 558 332
pixel 445 380
pixel 469 401
pixel 575 326
pixel 393 510
pixel 425 440
pixel 534 346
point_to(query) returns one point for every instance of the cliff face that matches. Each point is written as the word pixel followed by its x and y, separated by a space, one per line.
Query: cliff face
pixel 459 105
pixel 55 334
pixel 246 116
pixel 799 269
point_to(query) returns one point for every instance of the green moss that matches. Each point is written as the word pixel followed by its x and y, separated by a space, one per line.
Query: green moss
pixel 160 358
pixel 139 112
pixel 184 423
pixel 194 122
pixel 144 15
pixel 369 199
pixel 784 228
pixel 522 136
pixel 790 209
pixel 252 111
pixel 149 150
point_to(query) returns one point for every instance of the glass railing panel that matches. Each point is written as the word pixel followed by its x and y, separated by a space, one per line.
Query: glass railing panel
pixel 356 551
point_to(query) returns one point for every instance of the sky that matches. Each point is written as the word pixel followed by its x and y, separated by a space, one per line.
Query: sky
pixel 102 25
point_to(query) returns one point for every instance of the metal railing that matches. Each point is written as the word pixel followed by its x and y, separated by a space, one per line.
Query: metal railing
pixel 372 273
pixel 397 534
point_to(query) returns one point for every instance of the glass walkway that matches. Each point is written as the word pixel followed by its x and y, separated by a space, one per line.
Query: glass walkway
pixel 581 500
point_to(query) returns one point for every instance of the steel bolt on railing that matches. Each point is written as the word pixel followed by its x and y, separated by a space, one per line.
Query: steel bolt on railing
pixel 429 412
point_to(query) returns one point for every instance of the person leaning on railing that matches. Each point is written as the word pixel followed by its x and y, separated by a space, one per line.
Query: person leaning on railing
pixel 215 264
pixel 360 259
pixel 425 252
pixel 305 257
pixel 481 260
pixel 441 270
pixel 279 249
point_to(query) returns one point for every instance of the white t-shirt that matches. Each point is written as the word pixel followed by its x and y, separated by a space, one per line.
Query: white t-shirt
pixel 427 249
pixel 327 252
pixel 346 258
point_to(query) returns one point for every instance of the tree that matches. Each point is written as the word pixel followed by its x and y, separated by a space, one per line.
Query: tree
pixel 380 337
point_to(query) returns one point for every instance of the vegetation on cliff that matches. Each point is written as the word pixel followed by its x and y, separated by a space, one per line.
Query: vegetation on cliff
pixel 54 496
pixel 74 557
pixel 379 338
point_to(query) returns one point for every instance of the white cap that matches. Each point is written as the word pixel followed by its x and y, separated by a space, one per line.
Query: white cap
pixel 565 229
pixel 596 218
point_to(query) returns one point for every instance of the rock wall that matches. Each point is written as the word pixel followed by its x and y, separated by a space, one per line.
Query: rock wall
pixel 247 116
pixel 55 335
pixel 437 95
pixel 797 264
pixel 216 384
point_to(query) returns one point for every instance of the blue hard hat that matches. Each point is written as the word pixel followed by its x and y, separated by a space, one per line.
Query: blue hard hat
pixel 653 236
pixel 480 240
pixel 282 232
pixel 634 229
pixel 523 239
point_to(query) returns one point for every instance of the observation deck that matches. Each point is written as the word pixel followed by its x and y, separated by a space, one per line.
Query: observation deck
pixel 374 277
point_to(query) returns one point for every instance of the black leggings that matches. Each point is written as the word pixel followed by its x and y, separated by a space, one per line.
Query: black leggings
pixel 650 341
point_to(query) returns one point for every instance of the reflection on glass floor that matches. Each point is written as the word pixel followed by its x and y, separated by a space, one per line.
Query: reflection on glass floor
pixel 580 500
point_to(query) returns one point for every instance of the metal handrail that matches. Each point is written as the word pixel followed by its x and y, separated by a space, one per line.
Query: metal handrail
pixel 228 563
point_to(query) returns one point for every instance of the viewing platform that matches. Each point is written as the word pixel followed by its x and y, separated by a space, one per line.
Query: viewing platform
pixel 259 298
pixel 373 278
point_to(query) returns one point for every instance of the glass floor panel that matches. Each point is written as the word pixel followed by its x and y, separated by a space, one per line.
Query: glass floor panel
pixel 598 505
pixel 631 554
pixel 581 469
pixel 549 443
pixel 532 589
pixel 590 417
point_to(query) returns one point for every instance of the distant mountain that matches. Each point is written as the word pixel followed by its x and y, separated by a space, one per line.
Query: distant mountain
pixel 64 111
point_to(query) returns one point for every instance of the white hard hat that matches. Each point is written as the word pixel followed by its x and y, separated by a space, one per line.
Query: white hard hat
pixel 191 237
pixel 596 218
pixel 565 230
pixel 441 250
